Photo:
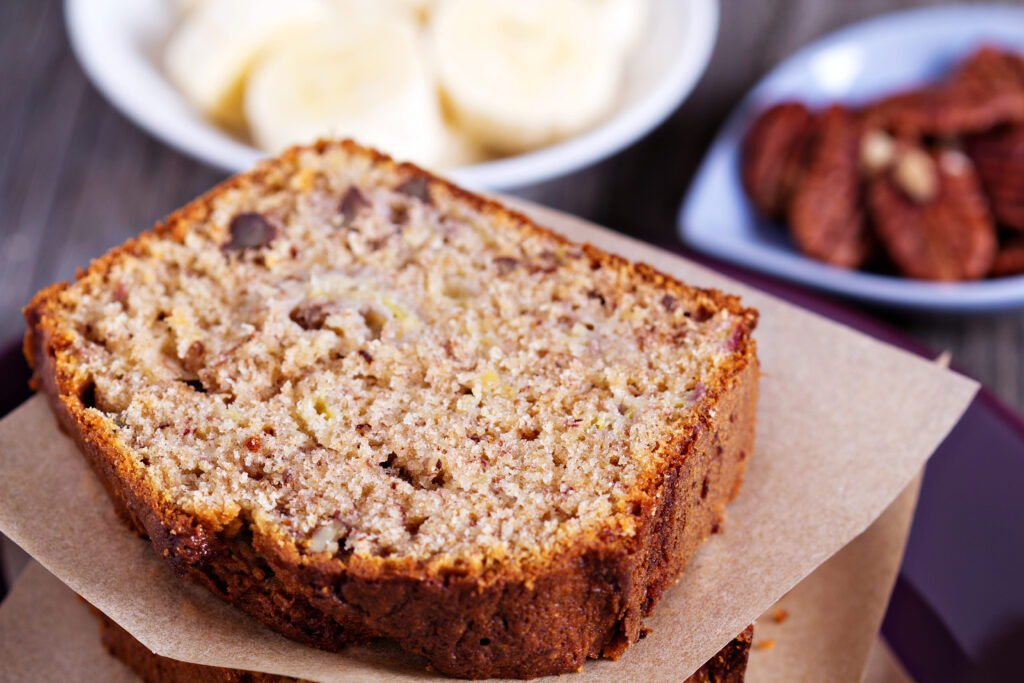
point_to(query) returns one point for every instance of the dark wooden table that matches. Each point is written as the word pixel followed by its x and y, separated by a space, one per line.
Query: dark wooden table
pixel 77 178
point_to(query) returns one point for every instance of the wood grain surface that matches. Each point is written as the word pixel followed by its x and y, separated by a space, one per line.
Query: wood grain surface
pixel 76 178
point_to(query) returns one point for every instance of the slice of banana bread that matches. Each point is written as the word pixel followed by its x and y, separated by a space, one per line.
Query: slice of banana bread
pixel 728 666
pixel 357 401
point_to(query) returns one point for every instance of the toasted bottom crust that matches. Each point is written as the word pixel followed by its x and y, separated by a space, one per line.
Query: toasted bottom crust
pixel 153 668
pixel 728 666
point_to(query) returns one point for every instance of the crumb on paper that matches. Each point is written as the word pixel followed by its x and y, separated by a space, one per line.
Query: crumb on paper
pixel 780 615
pixel 766 644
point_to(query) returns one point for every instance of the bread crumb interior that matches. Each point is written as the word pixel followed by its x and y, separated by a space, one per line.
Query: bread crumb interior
pixel 391 373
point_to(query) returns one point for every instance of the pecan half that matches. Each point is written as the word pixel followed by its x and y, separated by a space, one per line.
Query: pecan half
pixel 986 90
pixel 1010 259
pixel 999 157
pixel 950 236
pixel 825 215
pixel 772 156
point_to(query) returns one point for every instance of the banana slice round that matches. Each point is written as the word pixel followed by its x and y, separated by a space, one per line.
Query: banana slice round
pixel 459 150
pixel 363 80
pixel 363 11
pixel 211 52
pixel 624 21
pixel 417 10
pixel 183 7
pixel 519 74
pixel 421 9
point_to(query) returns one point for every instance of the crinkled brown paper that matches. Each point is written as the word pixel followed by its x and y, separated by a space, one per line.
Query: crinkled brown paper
pixel 844 425
pixel 822 630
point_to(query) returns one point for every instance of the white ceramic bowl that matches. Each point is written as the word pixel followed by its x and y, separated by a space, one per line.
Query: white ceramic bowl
pixel 119 44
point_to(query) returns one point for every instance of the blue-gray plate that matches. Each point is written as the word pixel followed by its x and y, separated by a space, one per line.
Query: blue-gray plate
pixel 856 64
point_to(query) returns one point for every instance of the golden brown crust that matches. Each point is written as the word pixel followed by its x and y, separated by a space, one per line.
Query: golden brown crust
pixel 520 621
pixel 728 666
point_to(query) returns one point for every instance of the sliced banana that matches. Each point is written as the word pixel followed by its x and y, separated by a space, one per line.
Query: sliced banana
pixel 519 74
pixel 459 150
pixel 363 80
pixel 422 9
pixel 375 10
pixel 185 6
pixel 417 10
pixel 624 21
pixel 210 54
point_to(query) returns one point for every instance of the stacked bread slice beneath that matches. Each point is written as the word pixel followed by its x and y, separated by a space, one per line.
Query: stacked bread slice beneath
pixel 357 401
pixel 728 666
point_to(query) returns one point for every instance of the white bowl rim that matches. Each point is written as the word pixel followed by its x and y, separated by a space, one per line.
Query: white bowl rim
pixel 614 134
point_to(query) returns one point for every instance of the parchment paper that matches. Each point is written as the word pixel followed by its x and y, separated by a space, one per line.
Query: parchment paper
pixel 884 667
pixel 845 423
pixel 47 634
pixel 826 628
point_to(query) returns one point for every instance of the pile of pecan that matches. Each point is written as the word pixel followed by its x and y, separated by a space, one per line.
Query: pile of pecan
pixel 928 183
